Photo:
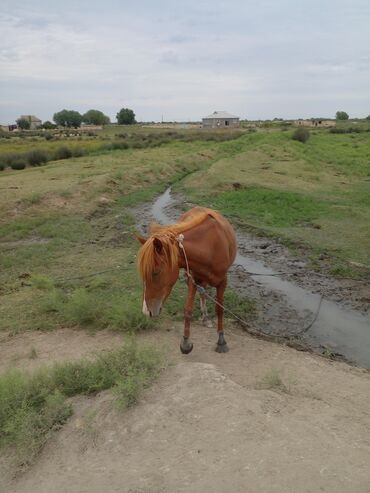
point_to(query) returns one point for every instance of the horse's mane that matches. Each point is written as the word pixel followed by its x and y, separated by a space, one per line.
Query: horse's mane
pixel 149 258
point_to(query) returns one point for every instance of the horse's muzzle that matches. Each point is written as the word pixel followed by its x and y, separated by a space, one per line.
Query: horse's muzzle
pixel 152 308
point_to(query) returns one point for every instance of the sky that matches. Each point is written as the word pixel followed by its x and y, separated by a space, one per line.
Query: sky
pixel 181 61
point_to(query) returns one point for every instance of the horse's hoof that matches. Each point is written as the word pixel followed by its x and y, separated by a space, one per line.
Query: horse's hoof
pixel 222 348
pixel 186 347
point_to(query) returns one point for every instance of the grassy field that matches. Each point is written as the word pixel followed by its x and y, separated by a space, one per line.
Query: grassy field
pixel 316 194
pixel 69 219
pixel 68 254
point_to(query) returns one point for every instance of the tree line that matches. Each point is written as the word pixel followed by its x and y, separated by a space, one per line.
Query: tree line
pixel 74 119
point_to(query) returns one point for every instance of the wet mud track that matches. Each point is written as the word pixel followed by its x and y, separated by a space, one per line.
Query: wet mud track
pixel 297 306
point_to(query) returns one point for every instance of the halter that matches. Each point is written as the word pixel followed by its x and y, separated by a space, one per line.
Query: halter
pixel 180 239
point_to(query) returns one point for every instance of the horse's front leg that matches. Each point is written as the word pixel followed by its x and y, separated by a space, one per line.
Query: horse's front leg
pixel 221 346
pixel 186 346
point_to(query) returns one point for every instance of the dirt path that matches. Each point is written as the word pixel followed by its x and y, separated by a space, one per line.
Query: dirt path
pixel 217 423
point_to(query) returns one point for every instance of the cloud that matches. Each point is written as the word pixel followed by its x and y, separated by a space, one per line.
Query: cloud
pixel 253 59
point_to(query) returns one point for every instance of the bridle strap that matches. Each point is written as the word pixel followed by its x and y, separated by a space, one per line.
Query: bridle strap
pixel 180 239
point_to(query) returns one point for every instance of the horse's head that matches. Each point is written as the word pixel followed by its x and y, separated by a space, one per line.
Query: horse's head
pixel 158 267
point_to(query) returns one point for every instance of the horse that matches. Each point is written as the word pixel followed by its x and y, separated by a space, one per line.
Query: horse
pixel 203 243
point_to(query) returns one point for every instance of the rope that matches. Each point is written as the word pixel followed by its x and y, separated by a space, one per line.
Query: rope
pixel 201 290
pixel 117 267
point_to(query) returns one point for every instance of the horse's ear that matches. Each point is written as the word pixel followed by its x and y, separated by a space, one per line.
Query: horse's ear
pixel 157 245
pixel 141 239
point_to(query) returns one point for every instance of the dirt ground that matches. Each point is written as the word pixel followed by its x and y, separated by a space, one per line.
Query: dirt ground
pixel 263 417
pixel 31 350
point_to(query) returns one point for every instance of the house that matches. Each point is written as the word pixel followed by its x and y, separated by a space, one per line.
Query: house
pixel 221 119
pixel 315 122
pixel 34 121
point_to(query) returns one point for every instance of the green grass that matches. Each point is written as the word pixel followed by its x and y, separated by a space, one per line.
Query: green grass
pixel 272 207
pixel 314 194
pixel 31 406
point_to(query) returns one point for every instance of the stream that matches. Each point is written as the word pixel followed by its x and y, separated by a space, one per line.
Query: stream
pixel 343 330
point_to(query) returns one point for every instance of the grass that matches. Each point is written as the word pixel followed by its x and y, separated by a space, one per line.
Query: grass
pixel 272 381
pixel 32 406
pixel 302 194
pixel 55 227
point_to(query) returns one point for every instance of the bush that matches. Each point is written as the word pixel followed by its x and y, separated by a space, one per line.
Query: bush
pixel 301 134
pixel 62 152
pixel 2 166
pixel 18 164
pixel 78 152
pixel 36 157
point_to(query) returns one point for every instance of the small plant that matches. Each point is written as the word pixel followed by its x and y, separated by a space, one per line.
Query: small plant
pixel 36 157
pixel 18 164
pixel 272 381
pixel 62 152
pixel 33 353
pixel 78 152
pixel 301 134
pixel 40 281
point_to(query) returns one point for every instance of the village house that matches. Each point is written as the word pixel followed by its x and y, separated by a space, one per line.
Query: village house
pixel 34 121
pixel 221 119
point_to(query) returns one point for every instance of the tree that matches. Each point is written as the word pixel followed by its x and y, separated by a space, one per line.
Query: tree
pixel 368 117
pixel 341 115
pixel 125 116
pixel 68 118
pixel 95 117
pixel 48 125
pixel 23 123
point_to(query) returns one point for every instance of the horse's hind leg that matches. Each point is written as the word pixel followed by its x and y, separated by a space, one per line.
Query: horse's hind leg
pixel 221 346
pixel 186 346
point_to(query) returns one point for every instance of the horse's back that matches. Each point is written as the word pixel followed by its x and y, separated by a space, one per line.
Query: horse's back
pixel 219 228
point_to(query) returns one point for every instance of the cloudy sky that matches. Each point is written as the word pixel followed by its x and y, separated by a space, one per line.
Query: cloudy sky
pixel 183 60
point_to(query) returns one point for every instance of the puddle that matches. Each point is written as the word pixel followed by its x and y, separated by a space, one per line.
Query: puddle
pixel 158 208
pixel 343 330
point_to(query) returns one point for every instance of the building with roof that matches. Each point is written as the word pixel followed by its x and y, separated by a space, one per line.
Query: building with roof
pixel 34 121
pixel 221 119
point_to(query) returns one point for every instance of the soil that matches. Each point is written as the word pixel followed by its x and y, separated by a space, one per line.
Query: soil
pixel 262 417
pixel 31 350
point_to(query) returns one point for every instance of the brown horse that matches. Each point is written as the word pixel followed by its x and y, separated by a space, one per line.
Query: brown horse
pixel 204 244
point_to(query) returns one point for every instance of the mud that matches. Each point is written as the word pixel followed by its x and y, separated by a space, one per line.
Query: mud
pixel 295 304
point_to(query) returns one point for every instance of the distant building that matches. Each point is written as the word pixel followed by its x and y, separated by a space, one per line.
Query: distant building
pixel 314 122
pixel 220 119
pixel 88 128
pixel 34 121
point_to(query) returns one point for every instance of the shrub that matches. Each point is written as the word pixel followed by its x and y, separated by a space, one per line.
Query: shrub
pixel 18 164
pixel 119 145
pixel 301 134
pixel 78 152
pixel 62 152
pixel 2 166
pixel 36 157
pixel 48 136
